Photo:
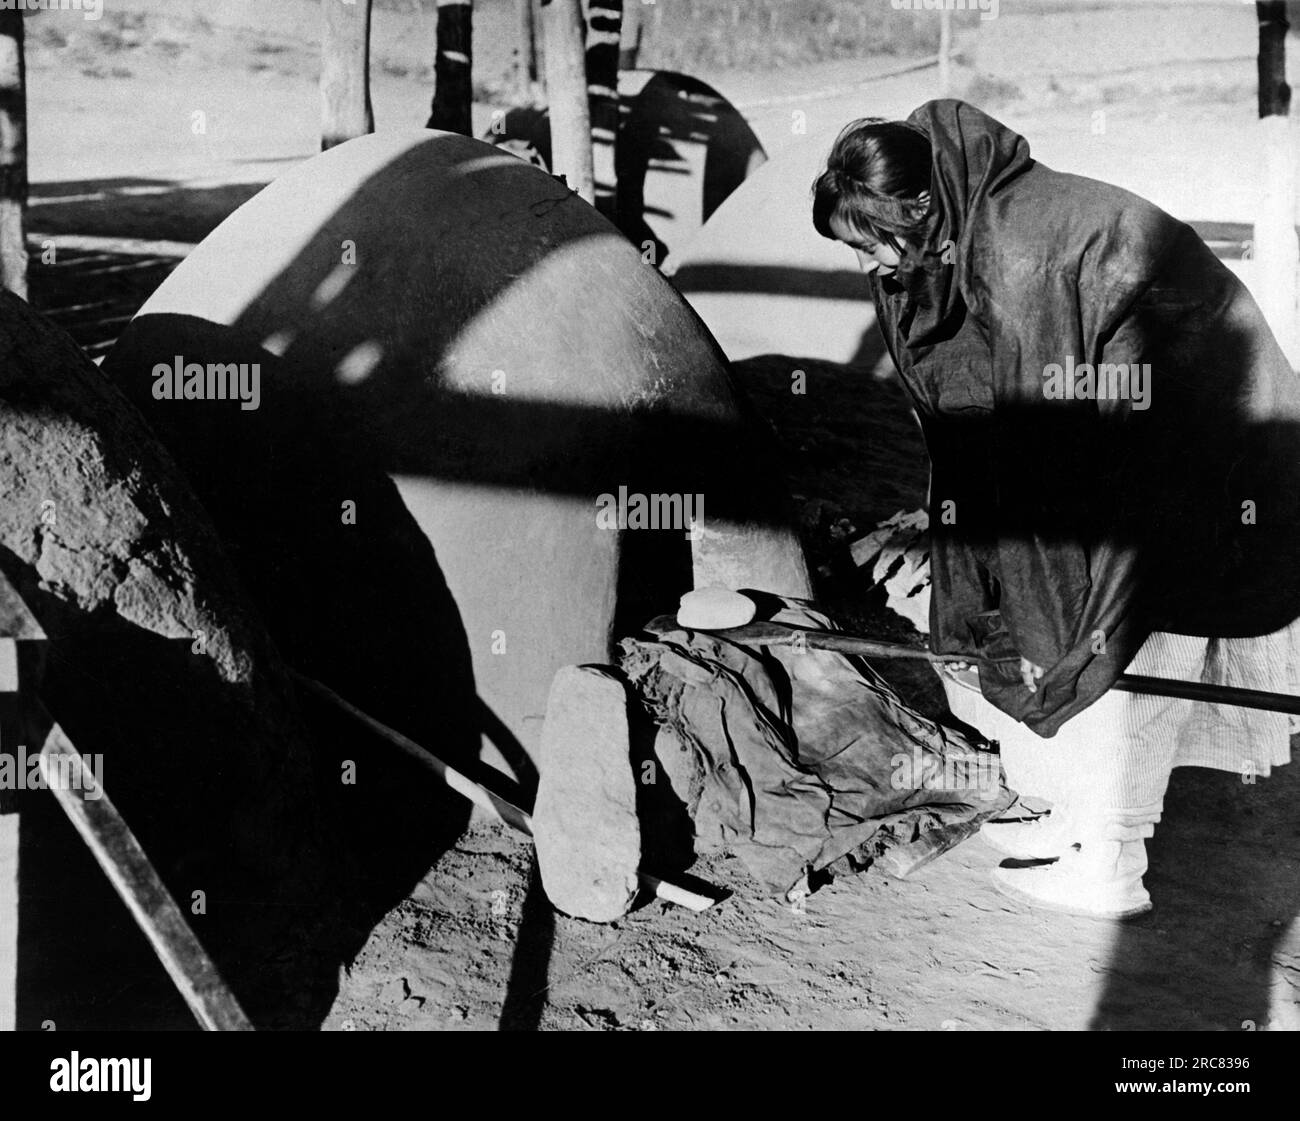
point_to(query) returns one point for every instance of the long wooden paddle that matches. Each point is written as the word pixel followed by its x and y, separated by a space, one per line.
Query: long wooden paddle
pixel 766 633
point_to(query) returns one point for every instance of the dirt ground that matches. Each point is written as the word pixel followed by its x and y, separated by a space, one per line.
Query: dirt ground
pixel 475 945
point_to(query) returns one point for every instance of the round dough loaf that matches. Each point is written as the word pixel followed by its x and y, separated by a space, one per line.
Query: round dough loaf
pixel 715 609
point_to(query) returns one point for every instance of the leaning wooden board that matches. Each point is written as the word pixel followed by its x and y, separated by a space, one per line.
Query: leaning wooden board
pixel 136 881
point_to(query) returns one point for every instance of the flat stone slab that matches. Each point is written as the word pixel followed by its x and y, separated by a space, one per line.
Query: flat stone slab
pixel 584 822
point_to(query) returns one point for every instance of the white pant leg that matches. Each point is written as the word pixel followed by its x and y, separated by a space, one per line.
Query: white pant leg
pixel 1113 758
pixel 1124 777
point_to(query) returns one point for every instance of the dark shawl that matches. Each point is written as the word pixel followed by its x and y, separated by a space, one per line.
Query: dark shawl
pixel 1065 531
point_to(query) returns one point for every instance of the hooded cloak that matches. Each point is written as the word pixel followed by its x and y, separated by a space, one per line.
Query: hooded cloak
pixel 1153 483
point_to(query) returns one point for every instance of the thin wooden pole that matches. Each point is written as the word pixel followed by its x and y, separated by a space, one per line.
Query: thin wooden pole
pixel 1276 249
pixel 1274 93
pixel 345 72
pixel 945 52
pixel 604 27
pixel 526 60
pixel 507 808
pixel 11 734
pixel 768 633
pixel 630 50
pixel 453 83
pixel 566 95
pixel 1230 695
pixel 9 846
pixel 13 153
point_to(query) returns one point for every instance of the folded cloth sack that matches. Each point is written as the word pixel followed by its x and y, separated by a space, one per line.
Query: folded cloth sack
pixel 797 758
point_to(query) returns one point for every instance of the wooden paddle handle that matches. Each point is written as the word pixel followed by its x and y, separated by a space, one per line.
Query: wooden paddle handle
pixel 783 634
pixel 1213 694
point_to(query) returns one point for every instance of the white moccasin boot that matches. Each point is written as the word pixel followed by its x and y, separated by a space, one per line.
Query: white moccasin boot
pixel 1044 838
pixel 1101 878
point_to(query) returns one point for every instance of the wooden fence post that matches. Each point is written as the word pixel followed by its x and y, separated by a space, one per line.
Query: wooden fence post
pixel 630 50
pixel 453 83
pixel 1276 248
pixel 345 72
pixel 604 27
pixel 566 95
pixel 13 153
pixel 945 52
pixel 526 75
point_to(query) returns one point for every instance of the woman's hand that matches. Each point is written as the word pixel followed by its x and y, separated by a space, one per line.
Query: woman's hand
pixel 1029 673
pixel 955 668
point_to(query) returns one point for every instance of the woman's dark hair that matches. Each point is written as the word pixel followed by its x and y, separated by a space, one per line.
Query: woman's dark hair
pixel 874 174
